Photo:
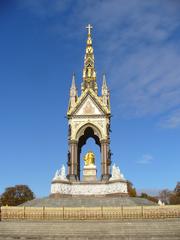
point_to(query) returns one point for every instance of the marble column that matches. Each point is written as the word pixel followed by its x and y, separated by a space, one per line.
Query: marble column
pixel 73 171
pixel 105 169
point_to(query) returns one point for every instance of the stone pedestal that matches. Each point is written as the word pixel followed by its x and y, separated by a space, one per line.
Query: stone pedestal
pixel 89 173
pixel 96 188
pixel 90 186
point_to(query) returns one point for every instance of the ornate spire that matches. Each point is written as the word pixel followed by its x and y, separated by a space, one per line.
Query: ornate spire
pixel 89 73
pixel 105 92
pixel 73 92
pixel 104 85
pixel 73 84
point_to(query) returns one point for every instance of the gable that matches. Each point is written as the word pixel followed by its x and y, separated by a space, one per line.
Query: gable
pixel 88 107
pixel 88 104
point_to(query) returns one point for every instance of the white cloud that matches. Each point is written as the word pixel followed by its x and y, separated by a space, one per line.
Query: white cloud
pixel 143 56
pixel 152 86
pixel 138 43
pixel 172 120
pixel 145 159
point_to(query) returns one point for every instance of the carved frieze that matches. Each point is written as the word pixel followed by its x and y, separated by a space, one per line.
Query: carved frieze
pixel 89 189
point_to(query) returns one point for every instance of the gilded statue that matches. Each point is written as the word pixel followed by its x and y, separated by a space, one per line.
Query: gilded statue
pixel 89 158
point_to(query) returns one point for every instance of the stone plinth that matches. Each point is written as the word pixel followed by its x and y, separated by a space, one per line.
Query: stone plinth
pixel 97 188
pixel 89 173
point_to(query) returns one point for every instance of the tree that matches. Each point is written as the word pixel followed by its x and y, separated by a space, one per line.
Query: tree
pixel 16 195
pixel 174 199
pixel 171 197
pixel 164 195
pixel 150 198
pixel 131 189
pixel 177 188
pixel 175 196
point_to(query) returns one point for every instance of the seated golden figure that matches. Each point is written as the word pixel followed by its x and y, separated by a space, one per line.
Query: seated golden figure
pixel 89 158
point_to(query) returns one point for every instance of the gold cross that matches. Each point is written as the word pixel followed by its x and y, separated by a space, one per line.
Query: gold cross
pixel 89 27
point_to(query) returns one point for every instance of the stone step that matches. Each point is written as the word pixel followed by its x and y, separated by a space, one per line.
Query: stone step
pixel 88 202
pixel 91 237
pixel 126 229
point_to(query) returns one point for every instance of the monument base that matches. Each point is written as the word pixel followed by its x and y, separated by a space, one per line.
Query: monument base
pixel 89 173
pixel 98 188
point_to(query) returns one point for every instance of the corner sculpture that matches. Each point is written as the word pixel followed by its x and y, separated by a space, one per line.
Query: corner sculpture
pixel 60 174
pixel 89 116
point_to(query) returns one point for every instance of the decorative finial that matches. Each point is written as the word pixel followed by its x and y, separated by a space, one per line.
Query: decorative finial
pixel 89 27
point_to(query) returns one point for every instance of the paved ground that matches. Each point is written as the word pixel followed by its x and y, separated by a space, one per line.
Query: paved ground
pixel 166 229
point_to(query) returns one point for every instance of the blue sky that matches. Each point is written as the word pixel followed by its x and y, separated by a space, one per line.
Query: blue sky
pixel 137 45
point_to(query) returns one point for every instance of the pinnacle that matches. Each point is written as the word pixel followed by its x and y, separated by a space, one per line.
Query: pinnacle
pixel 73 85
pixel 104 85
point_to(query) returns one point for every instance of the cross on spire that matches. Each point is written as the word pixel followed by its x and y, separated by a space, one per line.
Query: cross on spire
pixel 89 27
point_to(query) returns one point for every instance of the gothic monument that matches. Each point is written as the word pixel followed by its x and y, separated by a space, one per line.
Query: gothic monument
pixel 89 116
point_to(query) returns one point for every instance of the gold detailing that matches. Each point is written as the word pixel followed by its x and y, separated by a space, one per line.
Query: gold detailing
pixel 89 73
pixel 82 98
pixel 89 158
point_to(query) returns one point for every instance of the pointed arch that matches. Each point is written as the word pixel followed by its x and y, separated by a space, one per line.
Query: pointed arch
pixel 85 132
pixel 82 129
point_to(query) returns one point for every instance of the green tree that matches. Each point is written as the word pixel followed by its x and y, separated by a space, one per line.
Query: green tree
pixel 150 198
pixel 16 195
pixel 131 189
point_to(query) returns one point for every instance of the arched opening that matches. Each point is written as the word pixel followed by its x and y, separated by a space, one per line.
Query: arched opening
pixel 88 135
pixel 75 148
pixel 90 146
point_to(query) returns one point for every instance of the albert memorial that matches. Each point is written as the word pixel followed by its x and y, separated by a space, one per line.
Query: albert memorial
pixel 88 116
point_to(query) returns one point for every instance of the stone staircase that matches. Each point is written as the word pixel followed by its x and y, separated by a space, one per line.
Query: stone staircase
pixel 88 201
pixel 166 229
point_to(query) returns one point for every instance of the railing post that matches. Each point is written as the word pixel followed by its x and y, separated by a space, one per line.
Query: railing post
pixel 43 212
pixel 84 211
pixel 142 211
pixel 102 215
pixel 122 212
pixel 63 212
pixel 24 212
pixel 5 215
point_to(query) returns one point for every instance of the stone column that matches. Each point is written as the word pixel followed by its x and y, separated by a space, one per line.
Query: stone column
pixel 78 162
pixel 105 170
pixel 73 160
